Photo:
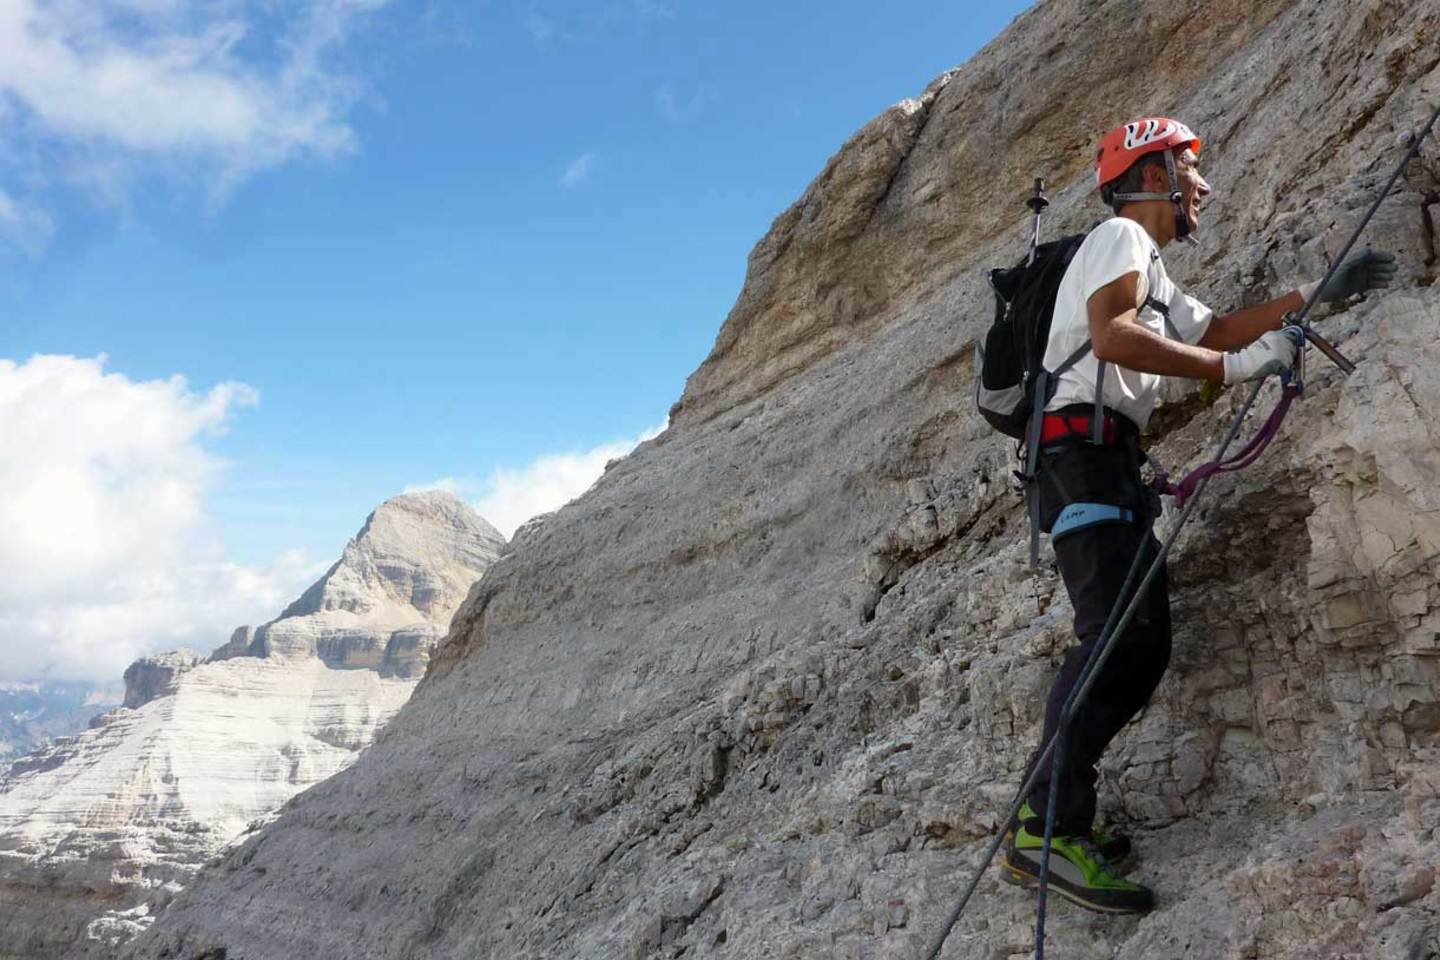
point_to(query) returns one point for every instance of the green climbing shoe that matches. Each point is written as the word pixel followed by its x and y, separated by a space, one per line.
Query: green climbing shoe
pixel 1078 872
pixel 1114 847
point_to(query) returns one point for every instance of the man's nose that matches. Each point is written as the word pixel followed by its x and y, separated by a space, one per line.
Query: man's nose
pixel 1201 187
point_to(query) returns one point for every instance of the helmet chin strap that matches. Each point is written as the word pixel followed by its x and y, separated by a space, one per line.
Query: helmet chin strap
pixel 1182 222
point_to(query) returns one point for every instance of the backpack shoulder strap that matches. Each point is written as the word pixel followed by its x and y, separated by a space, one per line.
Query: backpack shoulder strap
pixel 1032 459
pixel 1163 308
pixel 1097 421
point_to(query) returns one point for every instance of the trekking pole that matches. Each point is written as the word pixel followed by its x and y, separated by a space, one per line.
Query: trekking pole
pixel 1077 696
pixel 1102 651
pixel 1097 659
pixel 1030 779
pixel 1037 202
pixel 1097 662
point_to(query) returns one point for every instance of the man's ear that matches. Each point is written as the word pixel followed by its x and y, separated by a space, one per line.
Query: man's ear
pixel 1155 179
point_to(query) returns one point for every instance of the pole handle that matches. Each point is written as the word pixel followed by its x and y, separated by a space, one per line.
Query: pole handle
pixel 1038 201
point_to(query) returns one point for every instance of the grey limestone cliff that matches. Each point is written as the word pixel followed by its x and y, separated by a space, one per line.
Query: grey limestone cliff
pixel 156 675
pixel 765 690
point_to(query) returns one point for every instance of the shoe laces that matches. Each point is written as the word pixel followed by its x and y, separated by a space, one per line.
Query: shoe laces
pixel 1093 852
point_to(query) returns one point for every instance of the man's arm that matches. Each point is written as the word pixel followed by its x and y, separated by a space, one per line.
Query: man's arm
pixel 1243 327
pixel 1116 337
pixel 1371 270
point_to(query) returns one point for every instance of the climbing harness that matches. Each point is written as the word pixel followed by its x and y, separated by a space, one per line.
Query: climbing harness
pixel 1054 749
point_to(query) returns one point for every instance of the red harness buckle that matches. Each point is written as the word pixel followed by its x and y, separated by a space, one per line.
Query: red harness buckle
pixel 1055 426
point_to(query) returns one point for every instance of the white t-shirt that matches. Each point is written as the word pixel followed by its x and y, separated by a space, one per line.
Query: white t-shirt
pixel 1117 247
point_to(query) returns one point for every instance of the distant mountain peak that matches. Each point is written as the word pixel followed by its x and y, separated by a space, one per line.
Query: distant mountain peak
pixel 407 554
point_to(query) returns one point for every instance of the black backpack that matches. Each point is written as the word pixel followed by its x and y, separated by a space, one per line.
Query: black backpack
pixel 1012 385
pixel 1011 359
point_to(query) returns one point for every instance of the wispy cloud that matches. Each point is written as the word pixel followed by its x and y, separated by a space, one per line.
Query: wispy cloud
pixel 578 170
pixel 108 550
pixel 542 29
pixel 512 495
pixel 665 101
pixel 578 23
pixel 674 108
pixel 444 25
pixel 113 89
pixel 24 225
pixel 655 9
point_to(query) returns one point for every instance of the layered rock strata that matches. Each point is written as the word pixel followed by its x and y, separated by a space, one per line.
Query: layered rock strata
pixel 766 689
pixel 156 675
pixel 100 829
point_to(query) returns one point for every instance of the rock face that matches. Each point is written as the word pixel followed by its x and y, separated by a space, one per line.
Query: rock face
pixel 156 676
pixel 100 829
pixel 765 690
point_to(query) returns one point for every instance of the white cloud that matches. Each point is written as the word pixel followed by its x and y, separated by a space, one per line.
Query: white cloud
pixel 512 495
pixel 108 552
pixel 578 171
pixel 24 225
pixel 115 88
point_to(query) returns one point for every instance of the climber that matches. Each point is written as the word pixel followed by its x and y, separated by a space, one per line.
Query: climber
pixel 1117 300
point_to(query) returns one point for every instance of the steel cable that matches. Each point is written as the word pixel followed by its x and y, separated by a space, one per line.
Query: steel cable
pixel 1053 751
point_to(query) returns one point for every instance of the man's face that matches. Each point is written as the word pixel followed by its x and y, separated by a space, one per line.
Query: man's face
pixel 1193 187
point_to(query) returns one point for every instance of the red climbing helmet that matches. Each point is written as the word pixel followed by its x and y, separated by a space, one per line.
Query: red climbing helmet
pixel 1121 147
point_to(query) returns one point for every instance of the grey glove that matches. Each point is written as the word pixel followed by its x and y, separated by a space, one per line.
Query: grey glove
pixel 1371 270
pixel 1274 352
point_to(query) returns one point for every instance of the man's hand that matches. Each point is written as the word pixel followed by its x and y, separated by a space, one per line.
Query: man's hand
pixel 1274 352
pixel 1371 270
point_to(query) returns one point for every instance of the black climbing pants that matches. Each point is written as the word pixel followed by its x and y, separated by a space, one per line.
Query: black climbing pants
pixel 1094 559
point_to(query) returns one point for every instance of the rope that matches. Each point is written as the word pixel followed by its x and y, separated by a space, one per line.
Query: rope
pixel 1251 452
pixel 1097 659
pixel 1244 458
pixel 1054 748
pixel 1102 653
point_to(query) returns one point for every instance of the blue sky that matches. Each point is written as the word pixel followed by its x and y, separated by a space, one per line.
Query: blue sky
pixel 434 239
